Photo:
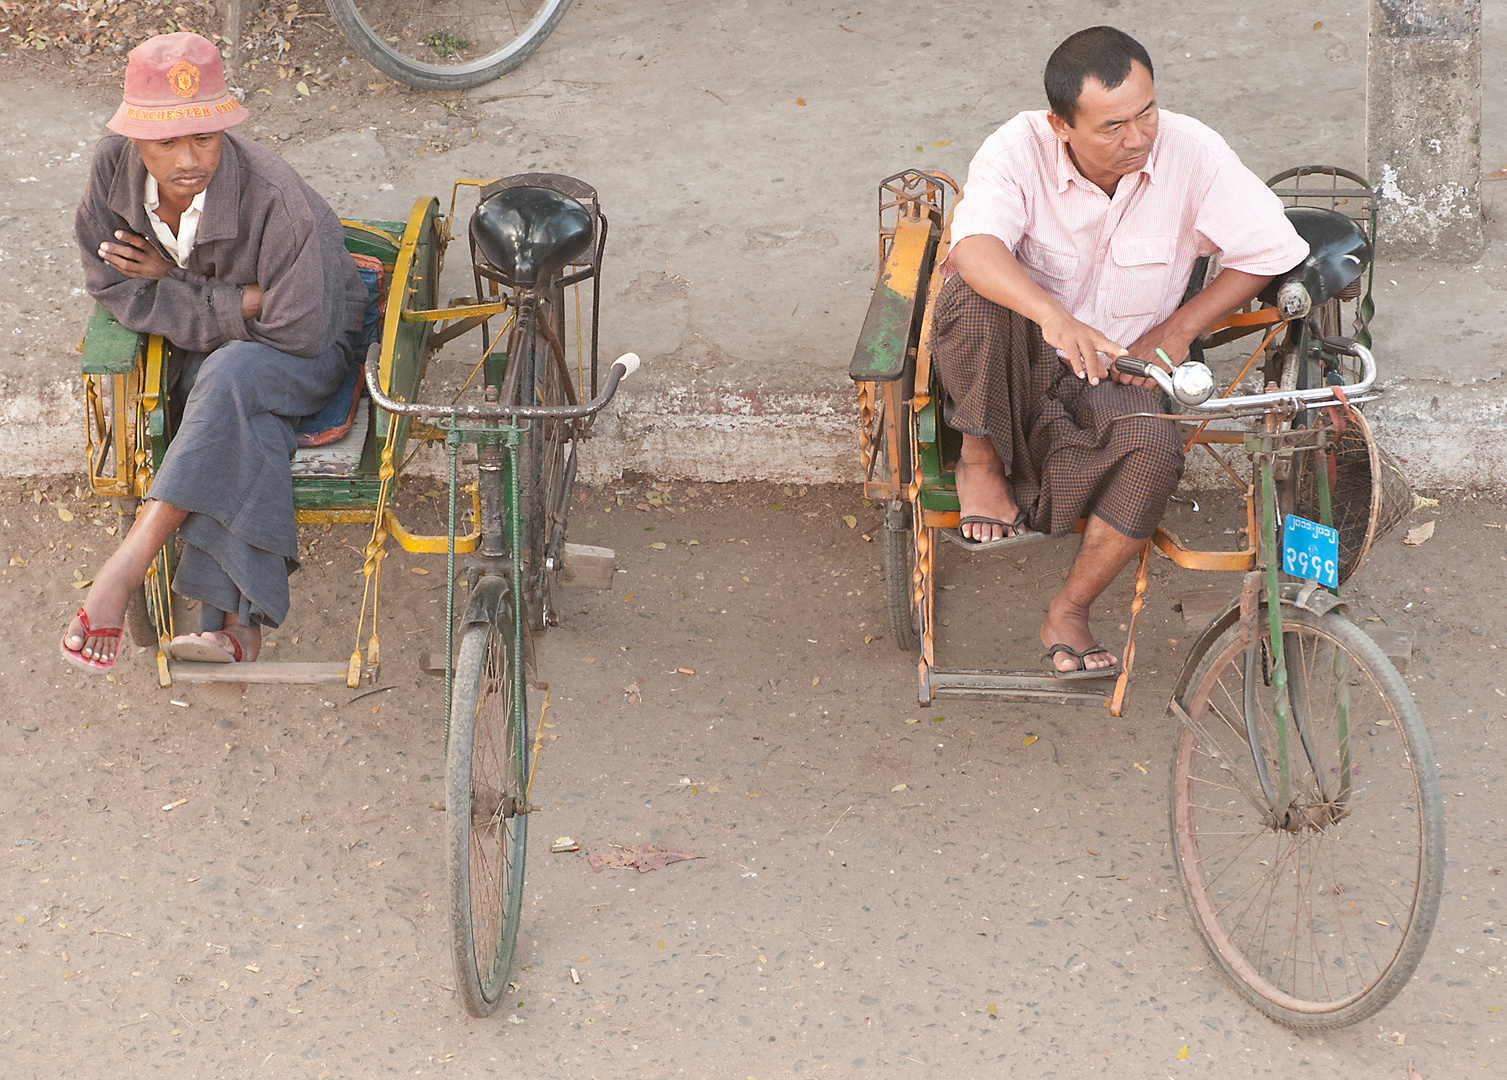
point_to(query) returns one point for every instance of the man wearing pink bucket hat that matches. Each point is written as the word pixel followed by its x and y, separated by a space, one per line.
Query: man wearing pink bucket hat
pixel 215 243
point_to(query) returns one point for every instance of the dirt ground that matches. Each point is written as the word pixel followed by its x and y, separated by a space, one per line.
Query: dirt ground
pixel 1012 911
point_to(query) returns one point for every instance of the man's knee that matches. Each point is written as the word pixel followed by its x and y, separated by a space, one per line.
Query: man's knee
pixel 226 373
pixel 1154 437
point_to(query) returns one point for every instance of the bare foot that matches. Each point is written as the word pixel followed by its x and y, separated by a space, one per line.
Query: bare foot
pixel 983 491
pixel 1067 624
pixel 106 608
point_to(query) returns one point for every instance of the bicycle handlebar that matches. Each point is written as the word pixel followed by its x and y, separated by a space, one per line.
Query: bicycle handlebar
pixel 622 367
pixel 1178 387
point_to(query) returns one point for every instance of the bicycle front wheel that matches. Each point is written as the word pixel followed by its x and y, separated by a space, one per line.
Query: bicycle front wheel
pixel 485 780
pixel 1319 909
pixel 446 44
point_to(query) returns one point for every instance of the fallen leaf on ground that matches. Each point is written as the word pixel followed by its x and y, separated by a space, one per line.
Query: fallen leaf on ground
pixel 1028 740
pixel 419 570
pixel 993 1009
pixel 848 519
pixel 627 598
pixel 643 859
pixel 374 865
pixel 659 545
pixel 1419 534
pixel 897 787
pixel 302 88
pixel 800 101
pixel 66 515
pixel 84 584
pixel 1182 1055
pixel 944 142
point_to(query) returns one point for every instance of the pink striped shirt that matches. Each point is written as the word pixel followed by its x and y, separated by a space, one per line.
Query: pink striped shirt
pixel 1121 264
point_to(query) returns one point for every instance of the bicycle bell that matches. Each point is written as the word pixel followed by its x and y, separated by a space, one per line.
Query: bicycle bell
pixel 1190 383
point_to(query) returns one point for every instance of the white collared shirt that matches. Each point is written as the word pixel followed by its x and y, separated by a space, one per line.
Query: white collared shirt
pixel 1120 263
pixel 180 245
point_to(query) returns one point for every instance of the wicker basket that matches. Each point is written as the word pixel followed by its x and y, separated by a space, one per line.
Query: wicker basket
pixel 1369 496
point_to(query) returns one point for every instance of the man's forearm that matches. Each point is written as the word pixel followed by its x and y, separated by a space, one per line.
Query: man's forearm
pixel 991 270
pixel 1214 301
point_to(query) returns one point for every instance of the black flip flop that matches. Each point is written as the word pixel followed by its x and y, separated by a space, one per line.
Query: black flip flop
pixel 1080 672
pixel 1019 538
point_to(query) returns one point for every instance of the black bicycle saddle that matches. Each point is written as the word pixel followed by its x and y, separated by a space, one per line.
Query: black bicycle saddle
pixel 1338 253
pixel 527 234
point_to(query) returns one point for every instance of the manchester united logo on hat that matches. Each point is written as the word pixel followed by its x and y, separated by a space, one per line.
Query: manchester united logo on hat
pixel 183 78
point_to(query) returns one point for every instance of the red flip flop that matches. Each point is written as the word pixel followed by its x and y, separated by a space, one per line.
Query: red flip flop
pixel 77 658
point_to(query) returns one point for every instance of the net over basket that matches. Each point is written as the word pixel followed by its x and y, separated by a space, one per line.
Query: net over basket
pixel 1369 496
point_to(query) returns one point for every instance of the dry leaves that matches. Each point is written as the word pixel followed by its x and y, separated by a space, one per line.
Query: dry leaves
pixel 644 858
pixel 1419 534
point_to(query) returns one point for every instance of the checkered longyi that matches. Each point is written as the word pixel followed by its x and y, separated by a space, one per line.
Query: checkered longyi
pixel 1069 448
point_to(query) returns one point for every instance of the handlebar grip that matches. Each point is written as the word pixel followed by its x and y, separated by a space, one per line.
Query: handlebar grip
pixel 1341 346
pixel 629 361
pixel 1131 366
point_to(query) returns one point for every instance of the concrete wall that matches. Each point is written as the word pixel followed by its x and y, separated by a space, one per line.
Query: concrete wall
pixel 1423 126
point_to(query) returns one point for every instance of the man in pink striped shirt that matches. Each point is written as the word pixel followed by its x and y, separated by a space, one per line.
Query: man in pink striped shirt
pixel 1072 246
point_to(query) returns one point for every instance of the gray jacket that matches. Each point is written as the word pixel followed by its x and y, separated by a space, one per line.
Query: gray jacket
pixel 262 225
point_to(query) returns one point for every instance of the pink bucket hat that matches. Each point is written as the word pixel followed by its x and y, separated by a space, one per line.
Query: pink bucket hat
pixel 175 85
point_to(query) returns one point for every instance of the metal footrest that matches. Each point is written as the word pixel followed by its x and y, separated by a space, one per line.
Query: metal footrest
pixel 185 671
pixel 1019 686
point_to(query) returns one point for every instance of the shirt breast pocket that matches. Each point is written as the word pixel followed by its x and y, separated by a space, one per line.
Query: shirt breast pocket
pixel 1058 267
pixel 1142 267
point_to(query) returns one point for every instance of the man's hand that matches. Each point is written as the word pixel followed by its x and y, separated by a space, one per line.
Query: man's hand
pixel 251 301
pixel 1083 348
pixel 1163 337
pixel 134 256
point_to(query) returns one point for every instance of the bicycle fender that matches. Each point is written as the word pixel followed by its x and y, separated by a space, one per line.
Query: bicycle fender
pixel 1298 594
pixel 489 603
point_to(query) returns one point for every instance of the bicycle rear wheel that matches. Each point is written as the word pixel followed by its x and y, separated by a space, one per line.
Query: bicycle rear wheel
pixel 1320 911
pixel 485 780
pixel 446 44
pixel 546 465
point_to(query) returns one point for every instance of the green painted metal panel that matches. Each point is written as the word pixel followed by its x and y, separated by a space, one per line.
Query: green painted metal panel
pixel 328 493
pixel 882 344
pixel 109 348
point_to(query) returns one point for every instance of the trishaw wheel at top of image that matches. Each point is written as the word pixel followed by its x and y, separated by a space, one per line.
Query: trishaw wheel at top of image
pixel 446 44
pixel 1307 815
pixel 537 242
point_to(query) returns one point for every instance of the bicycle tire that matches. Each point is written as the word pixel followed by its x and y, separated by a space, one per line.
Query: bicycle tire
pixel 446 44
pixel 899 587
pixel 542 469
pixel 485 778
pixel 1342 896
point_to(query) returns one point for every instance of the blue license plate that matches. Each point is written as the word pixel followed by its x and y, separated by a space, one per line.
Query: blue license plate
pixel 1310 550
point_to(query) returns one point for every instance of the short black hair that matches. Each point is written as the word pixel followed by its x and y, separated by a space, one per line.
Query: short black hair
pixel 1100 51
